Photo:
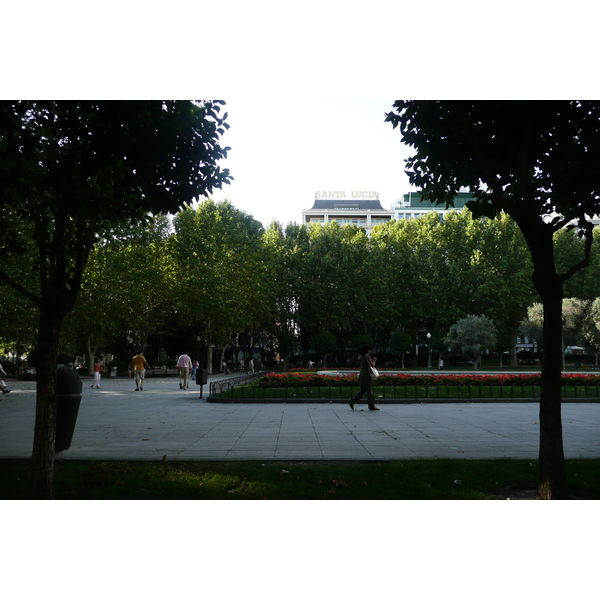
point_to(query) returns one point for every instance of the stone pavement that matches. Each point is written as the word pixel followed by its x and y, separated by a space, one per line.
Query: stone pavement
pixel 117 423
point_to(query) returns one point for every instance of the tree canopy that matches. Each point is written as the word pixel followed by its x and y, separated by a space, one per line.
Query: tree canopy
pixel 536 161
pixel 69 172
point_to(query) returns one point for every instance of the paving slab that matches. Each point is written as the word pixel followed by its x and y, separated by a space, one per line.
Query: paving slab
pixel 117 423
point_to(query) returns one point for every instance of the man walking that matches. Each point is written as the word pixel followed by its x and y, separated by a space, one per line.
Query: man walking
pixel 139 366
pixel 184 364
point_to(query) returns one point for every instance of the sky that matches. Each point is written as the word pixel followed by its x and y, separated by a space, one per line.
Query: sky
pixel 282 153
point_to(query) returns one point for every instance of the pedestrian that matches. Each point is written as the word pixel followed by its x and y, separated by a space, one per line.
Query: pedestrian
pixel 441 363
pixel 139 366
pixel 194 369
pixel 251 365
pixel 97 374
pixel 364 378
pixel 184 364
pixel 3 385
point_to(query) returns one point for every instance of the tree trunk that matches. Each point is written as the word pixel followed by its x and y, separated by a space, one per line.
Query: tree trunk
pixel 91 351
pixel 42 458
pixel 553 479
pixel 209 354
pixel 222 355
pixel 552 475
pixel 416 355
pixel 513 351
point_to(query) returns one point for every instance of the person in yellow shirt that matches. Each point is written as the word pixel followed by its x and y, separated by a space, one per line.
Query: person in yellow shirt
pixel 139 366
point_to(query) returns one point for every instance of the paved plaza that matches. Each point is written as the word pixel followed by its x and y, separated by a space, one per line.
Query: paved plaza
pixel 118 423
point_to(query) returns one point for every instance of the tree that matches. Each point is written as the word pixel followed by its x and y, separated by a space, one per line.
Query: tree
pixel 536 161
pixel 282 271
pixel 568 247
pixel 330 282
pixel 69 171
pixel 592 326
pixel 472 335
pixel 574 316
pixel 401 342
pixel 126 289
pixel 574 320
pixel 18 333
pixel 499 268
pixel 221 274
pixel 413 293
pixel 324 343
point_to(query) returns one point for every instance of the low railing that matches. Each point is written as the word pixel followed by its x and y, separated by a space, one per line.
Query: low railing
pixel 219 388
pixel 237 389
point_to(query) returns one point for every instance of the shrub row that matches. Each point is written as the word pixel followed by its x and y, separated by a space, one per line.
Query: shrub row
pixel 277 380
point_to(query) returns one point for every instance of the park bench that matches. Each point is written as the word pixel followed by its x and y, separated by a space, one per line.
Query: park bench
pixel 161 372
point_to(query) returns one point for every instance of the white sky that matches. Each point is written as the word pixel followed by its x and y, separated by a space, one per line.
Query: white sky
pixel 281 157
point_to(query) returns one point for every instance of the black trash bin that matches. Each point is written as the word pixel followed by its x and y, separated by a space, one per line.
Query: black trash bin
pixel 201 378
pixel 69 388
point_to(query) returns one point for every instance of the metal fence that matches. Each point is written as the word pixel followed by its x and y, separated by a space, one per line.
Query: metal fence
pixel 238 390
pixel 220 388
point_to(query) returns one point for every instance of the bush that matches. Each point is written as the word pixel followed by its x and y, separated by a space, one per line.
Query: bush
pixel 9 368
pixel 121 367
pixel 308 379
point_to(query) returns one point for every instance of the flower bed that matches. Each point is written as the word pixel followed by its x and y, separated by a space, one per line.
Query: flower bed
pixel 285 380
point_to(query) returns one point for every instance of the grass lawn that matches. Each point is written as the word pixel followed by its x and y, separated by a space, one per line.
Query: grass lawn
pixel 441 479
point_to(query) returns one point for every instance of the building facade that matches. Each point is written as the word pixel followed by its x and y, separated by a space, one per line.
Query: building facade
pixel 364 209
pixel 359 208
pixel 411 206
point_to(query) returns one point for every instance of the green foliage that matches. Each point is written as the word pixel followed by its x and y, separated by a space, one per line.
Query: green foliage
pixel 576 321
pixel 537 162
pixel 278 480
pixel 9 368
pixel 72 171
pixel 472 335
pixel 324 343
pixel 222 282
pixel 121 367
pixel 592 325
pixel 360 340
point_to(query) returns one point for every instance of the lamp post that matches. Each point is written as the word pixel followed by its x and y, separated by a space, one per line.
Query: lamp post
pixel 428 350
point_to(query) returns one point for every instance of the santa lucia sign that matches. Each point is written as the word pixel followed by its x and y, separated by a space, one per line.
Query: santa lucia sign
pixel 347 196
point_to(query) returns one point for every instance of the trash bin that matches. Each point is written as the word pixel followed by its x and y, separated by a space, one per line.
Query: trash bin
pixel 113 371
pixel 69 388
pixel 201 378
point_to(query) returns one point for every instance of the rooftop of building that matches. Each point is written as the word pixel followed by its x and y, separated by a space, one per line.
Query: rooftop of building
pixel 341 204
pixel 413 199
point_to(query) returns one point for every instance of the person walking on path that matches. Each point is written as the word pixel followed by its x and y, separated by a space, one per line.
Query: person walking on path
pixel 97 374
pixel 184 364
pixel 139 366
pixel 364 378
pixel 3 385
